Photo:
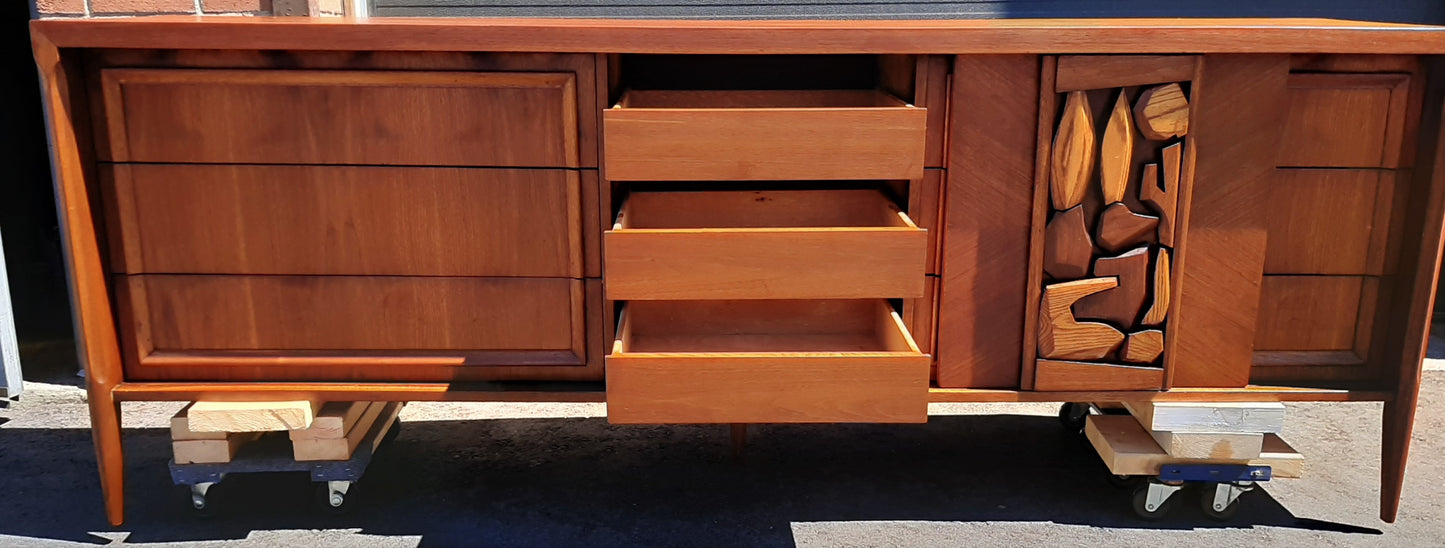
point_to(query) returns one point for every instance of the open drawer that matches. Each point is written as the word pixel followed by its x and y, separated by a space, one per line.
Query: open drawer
pixel 763 135
pixel 765 362
pixel 789 244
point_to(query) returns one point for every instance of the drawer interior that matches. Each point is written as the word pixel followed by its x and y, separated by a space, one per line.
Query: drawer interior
pixel 852 208
pixel 763 327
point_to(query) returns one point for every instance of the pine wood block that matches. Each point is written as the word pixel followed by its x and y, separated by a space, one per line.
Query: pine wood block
pixel 1127 449
pixel 1120 305
pixel 1159 308
pixel 181 429
pixel 1210 446
pixel 334 421
pixel 1064 338
pixel 1067 246
pixel 218 416
pixel 1120 228
pixel 1074 153
pixel 1143 346
pixel 378 416
pixel 1211 417
pixel 211 451
pixel 1163 112
pixel 1117 151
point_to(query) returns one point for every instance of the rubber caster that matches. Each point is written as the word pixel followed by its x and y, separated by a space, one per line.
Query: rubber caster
pixel 1153 501
pixel 335 497
pixel 1072 416
pixel 1220 502
pixel 201 500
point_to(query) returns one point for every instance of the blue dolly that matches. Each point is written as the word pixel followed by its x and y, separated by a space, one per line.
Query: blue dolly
pixel 1155 497
pixel 273 453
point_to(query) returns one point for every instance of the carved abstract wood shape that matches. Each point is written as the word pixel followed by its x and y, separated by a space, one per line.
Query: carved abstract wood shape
pixel 1074 153
pixel 1117 151
pixel 1063 337
pixel 1163 200
pixel 1143 346
pixel 1067 246
pixel 1163 112
pixel 1120 228
pixel 1121 305
pixel 1160 308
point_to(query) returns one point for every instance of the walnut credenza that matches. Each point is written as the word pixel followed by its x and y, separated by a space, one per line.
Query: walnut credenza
pixel 748 222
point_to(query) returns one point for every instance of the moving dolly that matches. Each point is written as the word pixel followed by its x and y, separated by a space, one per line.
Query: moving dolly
pixel 334 480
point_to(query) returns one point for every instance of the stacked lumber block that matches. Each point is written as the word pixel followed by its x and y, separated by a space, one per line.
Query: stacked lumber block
pixel 1155 434
pixel 212 432
pixel 340 428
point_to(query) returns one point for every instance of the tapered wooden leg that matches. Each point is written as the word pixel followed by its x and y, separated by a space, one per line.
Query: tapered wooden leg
pixel 1399 422
pixel 105 431
pixel 740 439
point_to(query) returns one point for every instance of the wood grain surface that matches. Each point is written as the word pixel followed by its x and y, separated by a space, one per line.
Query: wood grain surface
pixel 763 135
pixel 341 117
pixel 988 219
pixel 209 219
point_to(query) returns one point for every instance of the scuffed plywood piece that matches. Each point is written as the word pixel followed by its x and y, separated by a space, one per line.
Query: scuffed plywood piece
pixel 1211 446
pixel 1210 417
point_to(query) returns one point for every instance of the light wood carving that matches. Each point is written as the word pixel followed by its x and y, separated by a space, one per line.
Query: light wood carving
pixel 1063 337
pixel 1163 112
pixel 1120 228
pixel 1074 153
pixel 1160 308
pixel 1121 305
pixel 1117 151
pixel 1163 200
pixel 1067 246
pixel 1143 347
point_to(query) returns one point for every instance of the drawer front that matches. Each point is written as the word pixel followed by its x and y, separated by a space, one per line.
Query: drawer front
pixel 765 362
pixel 208 219
pixel 714 144
pixel 340 117
pixel 763 245
pixel 1344 120
pixel 197 327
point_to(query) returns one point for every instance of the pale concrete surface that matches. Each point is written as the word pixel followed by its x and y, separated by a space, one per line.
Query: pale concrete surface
pixel 559 475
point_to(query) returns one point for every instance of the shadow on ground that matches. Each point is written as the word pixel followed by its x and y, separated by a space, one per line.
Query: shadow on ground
pixel 582 481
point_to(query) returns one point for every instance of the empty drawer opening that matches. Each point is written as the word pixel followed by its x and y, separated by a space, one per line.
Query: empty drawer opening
pixel 868 326
pixel 759 99
pixel 785 209
pixel 671 71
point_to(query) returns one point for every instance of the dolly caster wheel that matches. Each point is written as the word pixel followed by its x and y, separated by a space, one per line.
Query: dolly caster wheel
pixel 1220 501
pixel 1152 501
pixel 335 497
pixel 203 500
pixel 1072 416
